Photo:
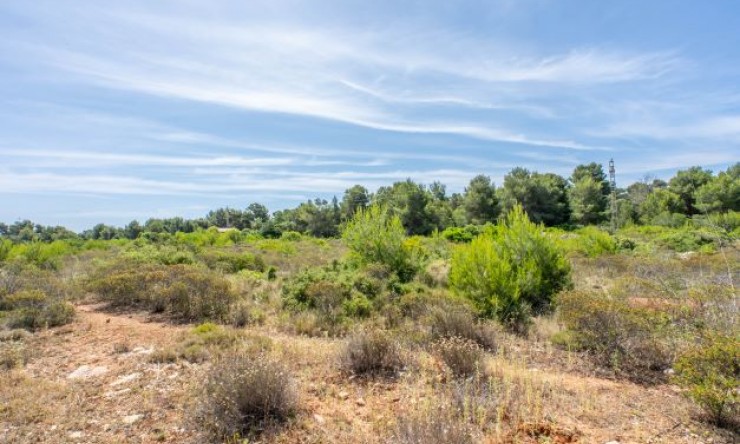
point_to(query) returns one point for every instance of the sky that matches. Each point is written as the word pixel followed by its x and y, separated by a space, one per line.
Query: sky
pixel 113 111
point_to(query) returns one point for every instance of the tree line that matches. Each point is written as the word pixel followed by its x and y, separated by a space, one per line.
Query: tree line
pixel 581 199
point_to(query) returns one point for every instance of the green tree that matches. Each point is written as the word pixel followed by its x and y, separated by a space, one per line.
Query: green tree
pixel 355 198
pixel 512 271
pixel 480 201
pixel 408 200
pixel 686 183
pixel 594 171
pixel 587 201
pixel 543 196
pixel 659 202
pixel 722 193
pixel 374 235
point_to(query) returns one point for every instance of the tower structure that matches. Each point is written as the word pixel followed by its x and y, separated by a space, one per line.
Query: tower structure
pixel 613 195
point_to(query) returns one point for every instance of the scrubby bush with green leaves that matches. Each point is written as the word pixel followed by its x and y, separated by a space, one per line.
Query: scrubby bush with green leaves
pixel 147 253
pixel 335 295
pixel 375 236
pixel 510 272
pixel 232 261
pixel 710 374
pixel 46 255
pixel 626 338
pixel 33 298
pixel 33 310
pixel 588 241
pixel 186 292
pixel 462 234
pixel 243 394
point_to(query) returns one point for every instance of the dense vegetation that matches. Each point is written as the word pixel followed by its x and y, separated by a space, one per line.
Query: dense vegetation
pixel 409 272
pixel 582 199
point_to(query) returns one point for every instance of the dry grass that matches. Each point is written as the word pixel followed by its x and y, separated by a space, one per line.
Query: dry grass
pixel 524 390
pixel 372 352
pixel 243 394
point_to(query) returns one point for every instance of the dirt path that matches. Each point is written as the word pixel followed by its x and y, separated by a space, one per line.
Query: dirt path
pixel 92 382
pixel 99 385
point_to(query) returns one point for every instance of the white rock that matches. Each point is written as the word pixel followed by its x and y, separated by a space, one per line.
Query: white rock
pixel 87 371
pixel 75 435
pixel 319 419
pixel 131 419
pixel 113 394
pixel 125 379
pixel 142 351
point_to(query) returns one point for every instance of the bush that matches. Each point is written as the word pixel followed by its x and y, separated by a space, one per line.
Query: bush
pixel 33 310
pixel 512 272
pixel 232 262
pixel 158 254
pixel 462 356
pixel 183 291
pixel 456 321
pixel 242 394
pixel 12 355
pixel 461 234
pixel 436 426
pixel 372 353
pixel 292 236
pixel 687 239
pixel 619 336
pixel 710 373
pixel 590 241
pixel 374 236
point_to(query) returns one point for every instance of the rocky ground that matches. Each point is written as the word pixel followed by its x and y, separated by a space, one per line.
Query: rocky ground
pixel 93 382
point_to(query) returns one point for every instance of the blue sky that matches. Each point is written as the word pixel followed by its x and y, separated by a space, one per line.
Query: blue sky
pixel 112 111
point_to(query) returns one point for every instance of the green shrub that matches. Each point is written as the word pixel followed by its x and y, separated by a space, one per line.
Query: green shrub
pixel 512 272
pixel 619 336
pixel 686 239
pixel 372 352
pixel 232 262
pixel 33 310
pixel 12 355
pixel 333 294
pixel 241 395
pixel 374 236
pixel 5 247
pixel 159 254
pixel 183 291
pixel 710 373
pixel 589 241
pixel 292 236
pixel 43 255
pixel 461 234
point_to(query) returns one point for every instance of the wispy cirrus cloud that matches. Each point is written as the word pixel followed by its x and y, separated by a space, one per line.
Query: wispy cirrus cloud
pixel 223 102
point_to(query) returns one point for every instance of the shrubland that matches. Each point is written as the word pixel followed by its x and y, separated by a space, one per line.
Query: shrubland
pixel 482 326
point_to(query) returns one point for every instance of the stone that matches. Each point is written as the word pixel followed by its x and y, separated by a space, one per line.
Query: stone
pixel 75 435
pixel 343 395
pixel 125 379
pixel 142 351
pixel 113 394
pixel 360 402
pixel 87 371
pixel 131 419
pixel 319 419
